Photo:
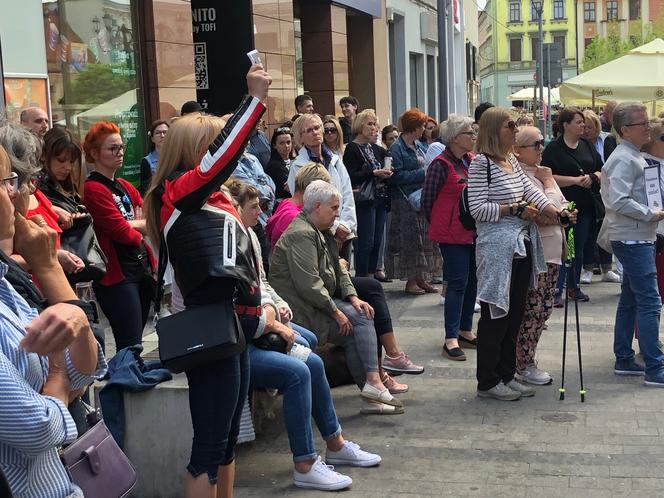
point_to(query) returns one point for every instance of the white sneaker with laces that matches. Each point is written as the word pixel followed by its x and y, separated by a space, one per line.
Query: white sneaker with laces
pixel 525 391
pixel 586 276
pixel 533 375
pixel 321 477
pixel 477 308
pixel 611 276
pixel 351 454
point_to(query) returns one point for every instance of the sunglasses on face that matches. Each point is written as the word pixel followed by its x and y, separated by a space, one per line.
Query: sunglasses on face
pixel 11 184
pixel 538 145
pixel 330 131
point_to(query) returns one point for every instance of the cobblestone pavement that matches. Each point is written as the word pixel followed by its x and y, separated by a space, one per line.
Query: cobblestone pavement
pixel 450 443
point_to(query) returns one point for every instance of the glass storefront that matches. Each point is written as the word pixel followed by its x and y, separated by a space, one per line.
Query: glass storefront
pixel 93 69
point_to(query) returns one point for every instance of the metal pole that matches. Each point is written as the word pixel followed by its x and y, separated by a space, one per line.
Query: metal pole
pixel 576 35
pixel 548 80
pixel 443 84
pixel 3 104
pixel 540 71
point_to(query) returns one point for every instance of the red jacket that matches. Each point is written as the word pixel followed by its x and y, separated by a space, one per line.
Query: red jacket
pixel 445 227
pixel 110 226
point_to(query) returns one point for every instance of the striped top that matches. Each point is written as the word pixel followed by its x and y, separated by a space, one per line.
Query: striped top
pixel 32 426
pixel 485 200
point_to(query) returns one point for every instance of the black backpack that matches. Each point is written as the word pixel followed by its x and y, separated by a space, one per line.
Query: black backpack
pixel 466 219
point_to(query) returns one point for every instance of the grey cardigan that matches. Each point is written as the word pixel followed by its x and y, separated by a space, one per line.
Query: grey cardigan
pixel 628 216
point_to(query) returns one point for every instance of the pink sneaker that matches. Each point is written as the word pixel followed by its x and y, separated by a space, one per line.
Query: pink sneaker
pixel 393 386
pixel 401 364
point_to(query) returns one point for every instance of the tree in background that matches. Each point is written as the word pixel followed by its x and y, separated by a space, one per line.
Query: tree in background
pixel 605 49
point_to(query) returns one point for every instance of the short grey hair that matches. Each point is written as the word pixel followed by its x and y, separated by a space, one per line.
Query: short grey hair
pixel 319 192
pixel 453 126
pixel 624 112
pixel 23 148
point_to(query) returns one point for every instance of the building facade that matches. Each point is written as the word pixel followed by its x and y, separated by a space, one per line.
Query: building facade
pixel 628 18
pixel 509 41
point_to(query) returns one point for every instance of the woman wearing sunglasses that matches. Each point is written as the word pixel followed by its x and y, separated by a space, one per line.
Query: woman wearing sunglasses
pixel 333 135
pixel 125 293
pixel 539 302
pixel 653 152
pixel 576 167
pixel 509 254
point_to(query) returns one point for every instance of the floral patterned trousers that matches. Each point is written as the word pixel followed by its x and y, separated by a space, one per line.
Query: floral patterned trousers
pixel 539 305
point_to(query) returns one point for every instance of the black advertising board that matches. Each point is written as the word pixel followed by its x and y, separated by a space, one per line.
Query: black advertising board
pixel 222 37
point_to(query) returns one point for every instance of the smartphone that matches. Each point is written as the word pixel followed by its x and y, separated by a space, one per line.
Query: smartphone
pixel 254 57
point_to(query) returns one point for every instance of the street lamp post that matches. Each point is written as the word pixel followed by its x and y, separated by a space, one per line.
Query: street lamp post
pixel 539 8
pixel 443 83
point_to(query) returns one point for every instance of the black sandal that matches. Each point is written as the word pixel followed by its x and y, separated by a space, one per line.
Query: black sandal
pixel 470 344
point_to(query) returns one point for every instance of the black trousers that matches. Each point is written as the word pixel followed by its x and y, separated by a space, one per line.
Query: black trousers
pixel 496 339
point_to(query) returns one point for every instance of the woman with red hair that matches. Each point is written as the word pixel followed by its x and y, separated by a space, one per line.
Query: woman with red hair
pixel 410 255
pixel 126 291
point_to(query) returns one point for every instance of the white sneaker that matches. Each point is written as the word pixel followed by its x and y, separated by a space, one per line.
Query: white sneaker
pixel 442 301
pixel 500 391
pixel 478 308
pixel 351 454
pixel 586 276
pixel 611 276
pixel 321 477
pixel 533 375
pixel 525 391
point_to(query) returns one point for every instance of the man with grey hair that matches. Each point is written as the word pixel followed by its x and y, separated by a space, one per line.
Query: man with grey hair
pixel 306 272
pixel 629 231
pixel 35 119
pixel 607 116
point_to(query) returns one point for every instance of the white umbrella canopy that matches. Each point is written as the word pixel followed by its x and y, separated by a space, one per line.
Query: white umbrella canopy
pixel 529 94
pixel 637 76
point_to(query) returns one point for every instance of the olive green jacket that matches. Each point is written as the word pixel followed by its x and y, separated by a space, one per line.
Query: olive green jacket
pixel 305 272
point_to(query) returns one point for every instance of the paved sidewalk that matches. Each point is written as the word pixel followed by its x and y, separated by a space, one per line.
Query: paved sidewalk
pixel 450 443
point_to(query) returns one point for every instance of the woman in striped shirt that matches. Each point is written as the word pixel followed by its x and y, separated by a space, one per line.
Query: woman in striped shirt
pixel 509 255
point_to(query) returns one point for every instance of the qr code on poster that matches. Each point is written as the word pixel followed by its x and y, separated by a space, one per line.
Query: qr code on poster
pixel 201 66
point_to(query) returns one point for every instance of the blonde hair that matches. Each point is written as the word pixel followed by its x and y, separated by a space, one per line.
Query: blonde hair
pixel 338 146
pixel 361 119
pixel 526 133
pixel 488 139
pixel 308 173
pixel 589 115
pixel 656 131
pixel 300 123
pixel 185 145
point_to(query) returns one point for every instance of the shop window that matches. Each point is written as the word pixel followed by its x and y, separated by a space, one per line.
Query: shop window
pixel 93 70
pixel 589 11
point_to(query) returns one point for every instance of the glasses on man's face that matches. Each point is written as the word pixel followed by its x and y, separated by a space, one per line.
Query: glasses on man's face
pixel 511 125
pixel 161 133
pixel 645 124
pixel 11 184
pixel 330 131
pixel 538 144
pixel 116 150
pixel 312 129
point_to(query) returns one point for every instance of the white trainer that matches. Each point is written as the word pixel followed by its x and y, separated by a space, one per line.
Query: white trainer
pixel 321 477
pixel 525 391
pixel 477 308
pixel 351 454
pixel 611 276
pixel 586 276
pixel 533 375
pixel 442 301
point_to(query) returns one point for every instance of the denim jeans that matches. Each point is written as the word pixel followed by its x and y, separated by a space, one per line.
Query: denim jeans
pixel 306 394
pixel 460 275
pixel 639 304
pixel 370 231
pixel 583 231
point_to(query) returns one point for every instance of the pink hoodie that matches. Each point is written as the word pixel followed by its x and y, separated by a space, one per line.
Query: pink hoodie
pixel 280 219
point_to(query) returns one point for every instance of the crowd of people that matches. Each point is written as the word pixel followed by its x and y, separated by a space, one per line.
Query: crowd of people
pixel 289 239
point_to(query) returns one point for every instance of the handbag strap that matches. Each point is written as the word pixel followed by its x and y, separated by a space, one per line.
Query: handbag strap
pixel 161 270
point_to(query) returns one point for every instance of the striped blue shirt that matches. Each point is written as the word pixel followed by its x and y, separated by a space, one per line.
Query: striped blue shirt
pixel 32 426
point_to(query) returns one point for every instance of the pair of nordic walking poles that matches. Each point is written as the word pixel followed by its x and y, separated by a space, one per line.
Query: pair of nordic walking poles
pixel 571 285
